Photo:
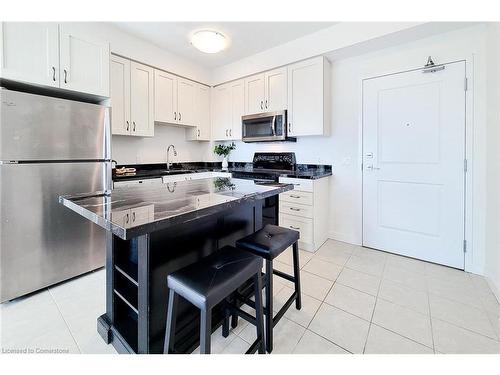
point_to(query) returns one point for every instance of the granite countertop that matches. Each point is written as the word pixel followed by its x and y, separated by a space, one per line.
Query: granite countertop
pixel 133 211
pixel 306 171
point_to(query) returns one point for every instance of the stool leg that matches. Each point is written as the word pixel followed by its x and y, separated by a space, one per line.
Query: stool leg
pixel 168 345
pixel 269 306
pixel 296 275
pixel 205 331
pixel 259 315
pixel 225 324
pixel 234 316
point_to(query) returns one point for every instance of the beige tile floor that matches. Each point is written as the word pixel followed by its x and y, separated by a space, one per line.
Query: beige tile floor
pixel 355 300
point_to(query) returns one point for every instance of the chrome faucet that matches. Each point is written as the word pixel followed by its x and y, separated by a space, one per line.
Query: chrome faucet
pixel 168 157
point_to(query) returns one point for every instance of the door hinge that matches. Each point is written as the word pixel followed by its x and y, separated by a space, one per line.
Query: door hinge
pixel 465 246
pixel 465 166
pixel 466 84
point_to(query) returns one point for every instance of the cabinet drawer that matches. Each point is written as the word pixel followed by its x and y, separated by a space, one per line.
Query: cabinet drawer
pixel 302 225
pixel 295 196
pixel 296 209
pixel 299 184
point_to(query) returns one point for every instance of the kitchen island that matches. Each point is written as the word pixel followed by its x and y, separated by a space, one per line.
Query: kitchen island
pixel 155 230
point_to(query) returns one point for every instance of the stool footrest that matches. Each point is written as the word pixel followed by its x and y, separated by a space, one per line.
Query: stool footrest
pixel 284 275
pixel 285 307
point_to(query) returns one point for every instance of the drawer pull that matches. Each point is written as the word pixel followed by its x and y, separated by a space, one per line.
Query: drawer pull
pixel 127 219
pixel 296 228
pixel 294 209
pixel 295 196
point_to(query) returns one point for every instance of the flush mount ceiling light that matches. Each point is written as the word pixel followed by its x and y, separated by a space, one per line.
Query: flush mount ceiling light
pixel 208 41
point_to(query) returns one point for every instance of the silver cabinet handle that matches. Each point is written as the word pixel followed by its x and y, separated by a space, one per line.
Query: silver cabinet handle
pixel 175 115
pixel 371 168
pixel 127 219
pixel 230 132
pixel 133 215
pixel 266 103
pixel 261 104
pixel 133 122
pixel 294 196
pixel 198 132
pixel 179 116
pixel 54 73
pixel 289 127
pixel 294 209
pixel 128 125
pixel 296 228
pixel 65 76
pixel 226 132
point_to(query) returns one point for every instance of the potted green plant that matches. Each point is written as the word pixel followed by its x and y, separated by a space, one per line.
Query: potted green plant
pixel 224 151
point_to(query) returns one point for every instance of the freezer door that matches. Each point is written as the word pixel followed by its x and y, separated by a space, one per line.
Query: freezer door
pixel 41 241
pixel 36 127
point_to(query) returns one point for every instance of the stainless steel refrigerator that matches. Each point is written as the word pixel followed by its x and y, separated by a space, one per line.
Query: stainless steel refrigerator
pixel 48 147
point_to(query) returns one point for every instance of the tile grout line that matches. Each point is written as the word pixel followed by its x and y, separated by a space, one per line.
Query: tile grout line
pixel 64 319
pixel 374 306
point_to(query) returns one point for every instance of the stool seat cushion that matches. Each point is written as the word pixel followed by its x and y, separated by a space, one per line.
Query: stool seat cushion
pixel 215 277
pixel 269 242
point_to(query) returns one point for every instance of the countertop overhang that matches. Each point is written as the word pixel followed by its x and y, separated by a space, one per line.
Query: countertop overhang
pixel 136 210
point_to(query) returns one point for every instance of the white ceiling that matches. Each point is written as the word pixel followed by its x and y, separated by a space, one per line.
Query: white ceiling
pixel 245 38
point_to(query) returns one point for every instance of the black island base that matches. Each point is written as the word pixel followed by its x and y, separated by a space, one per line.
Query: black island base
pixel 153 231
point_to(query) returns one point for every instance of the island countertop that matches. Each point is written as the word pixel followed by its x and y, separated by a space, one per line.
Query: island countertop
pixel 132 211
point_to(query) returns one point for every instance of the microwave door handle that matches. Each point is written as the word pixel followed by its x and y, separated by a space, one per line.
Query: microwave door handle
pixel 273 126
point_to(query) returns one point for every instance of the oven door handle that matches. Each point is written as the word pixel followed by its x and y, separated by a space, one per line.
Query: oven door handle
pixel 273 126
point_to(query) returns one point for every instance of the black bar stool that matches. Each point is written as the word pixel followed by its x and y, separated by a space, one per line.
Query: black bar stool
pixel 269 242
pixel 207 283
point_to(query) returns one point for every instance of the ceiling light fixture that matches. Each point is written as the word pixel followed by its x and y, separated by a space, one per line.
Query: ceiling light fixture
pixel 208 41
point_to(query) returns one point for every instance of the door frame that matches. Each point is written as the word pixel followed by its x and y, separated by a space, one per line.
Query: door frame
pixel 469 264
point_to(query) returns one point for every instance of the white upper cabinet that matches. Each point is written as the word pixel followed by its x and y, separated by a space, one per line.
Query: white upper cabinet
pixel 141 99
pixel 120 95
pixel 201 132
pixel 174 99
pixel 54 55
pixel 308 94
pixel 255 94
pixel 229 106
pixel 185 102
pixel 84 62
pixel 222 115
pixel 29 52
pixel 276 90
pixel 237 109
pixel 165 97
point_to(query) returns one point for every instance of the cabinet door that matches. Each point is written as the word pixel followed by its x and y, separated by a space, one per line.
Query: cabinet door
pixel 276 90
pixel 306 97
pixel 120 95
pixel 254 94
pixel 237 109
pixel 203 112
pixel 29 52
pixel 165 97
pixel 84 62
pixel 186 92
pixel 141 99
pixel 222 113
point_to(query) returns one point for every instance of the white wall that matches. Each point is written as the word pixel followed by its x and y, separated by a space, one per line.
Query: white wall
pixel 492 268
pixel 137 150
pixel 342 147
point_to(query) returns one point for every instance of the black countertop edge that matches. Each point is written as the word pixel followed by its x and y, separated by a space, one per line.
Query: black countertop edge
pixel 303 171
pixel 127 234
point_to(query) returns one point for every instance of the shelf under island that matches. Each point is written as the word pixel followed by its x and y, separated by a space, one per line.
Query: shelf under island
pixel 155 230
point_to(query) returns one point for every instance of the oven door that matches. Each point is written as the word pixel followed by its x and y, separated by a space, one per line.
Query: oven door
pixel 264 127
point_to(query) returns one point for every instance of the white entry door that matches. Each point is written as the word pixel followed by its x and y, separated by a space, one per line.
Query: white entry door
pixel 413 164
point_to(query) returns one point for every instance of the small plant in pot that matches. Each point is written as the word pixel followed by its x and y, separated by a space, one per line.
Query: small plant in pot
pixel 224 151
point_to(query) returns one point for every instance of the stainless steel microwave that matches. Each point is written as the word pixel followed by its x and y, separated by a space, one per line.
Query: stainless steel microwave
pixel 265 127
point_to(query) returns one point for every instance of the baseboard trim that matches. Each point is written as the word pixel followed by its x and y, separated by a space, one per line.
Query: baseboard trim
pixel 343 237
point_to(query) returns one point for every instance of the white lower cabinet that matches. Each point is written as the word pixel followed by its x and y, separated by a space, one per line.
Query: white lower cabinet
pixel 305 209
pixel 134 216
